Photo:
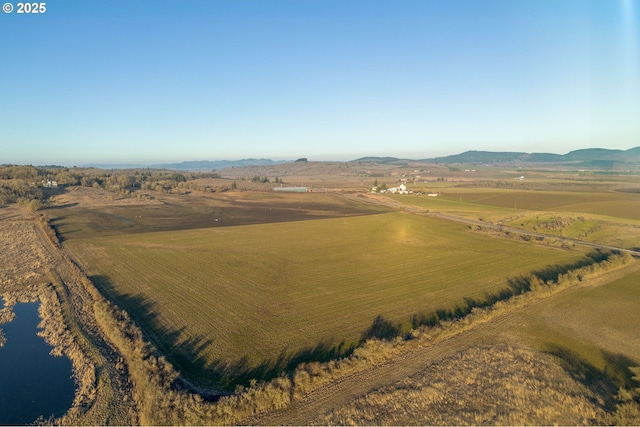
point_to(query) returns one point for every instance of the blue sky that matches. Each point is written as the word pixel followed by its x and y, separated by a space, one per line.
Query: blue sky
pixel 154 81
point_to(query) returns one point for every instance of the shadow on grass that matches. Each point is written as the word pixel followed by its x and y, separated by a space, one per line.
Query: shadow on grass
pixel 603 383
pixel 67 205
pixel 188 355
pixel 55 224
pixel 516 286
pixel 382 329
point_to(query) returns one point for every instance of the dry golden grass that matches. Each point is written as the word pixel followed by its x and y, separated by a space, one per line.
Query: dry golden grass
pixel 486 385
pixel 22 257
pixel 29 266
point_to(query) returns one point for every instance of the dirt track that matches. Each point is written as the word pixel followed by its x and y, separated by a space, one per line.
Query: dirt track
pixel 26 256
pixel 22 242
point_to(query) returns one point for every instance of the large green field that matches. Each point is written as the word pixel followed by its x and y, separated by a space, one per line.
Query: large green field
pixel 620 204
pixel 608 217
pixel 605 318
pixel 593 329
pixel 241 296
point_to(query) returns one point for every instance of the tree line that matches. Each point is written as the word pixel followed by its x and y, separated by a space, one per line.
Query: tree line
pixel 31 185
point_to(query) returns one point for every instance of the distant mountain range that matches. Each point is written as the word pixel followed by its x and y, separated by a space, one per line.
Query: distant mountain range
pixel 204 165
pixel 195 165
pixel 584 155
pixel 588 157
pixel 597 157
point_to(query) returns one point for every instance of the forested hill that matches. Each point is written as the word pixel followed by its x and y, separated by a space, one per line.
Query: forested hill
pixel 593 156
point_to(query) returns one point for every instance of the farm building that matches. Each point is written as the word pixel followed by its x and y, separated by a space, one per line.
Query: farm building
pixel 292 189
pixel 402 189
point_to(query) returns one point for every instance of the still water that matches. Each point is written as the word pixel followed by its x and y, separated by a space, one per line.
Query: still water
pixel 32 382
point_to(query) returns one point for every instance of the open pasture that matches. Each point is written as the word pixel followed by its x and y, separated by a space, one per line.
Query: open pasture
pixel 459 207
pixel 591 228
pixel 609 218
pixel 593 329
pixel 80 218
pixel 615 204
pixel 605 317
pixel 250 297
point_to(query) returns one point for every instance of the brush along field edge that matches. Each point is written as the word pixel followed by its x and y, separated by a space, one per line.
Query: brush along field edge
pixel 55 330
pixel 103 396
pixel 160 399
pixel 29 273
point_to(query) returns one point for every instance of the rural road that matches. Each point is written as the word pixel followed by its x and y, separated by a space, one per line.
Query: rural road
pixel 113 402
pixel 384 201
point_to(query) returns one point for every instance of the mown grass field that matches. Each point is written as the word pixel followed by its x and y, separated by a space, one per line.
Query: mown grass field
pixel 609 218
pixel 592 327
pixel 237 297
pixel 611 203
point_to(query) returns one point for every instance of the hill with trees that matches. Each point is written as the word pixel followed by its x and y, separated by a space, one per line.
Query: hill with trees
pixel 589 157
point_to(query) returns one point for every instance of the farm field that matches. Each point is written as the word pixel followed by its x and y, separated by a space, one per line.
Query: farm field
pixel 243 300
pixel 419 316
pixel 615 204
pixel 561 358
pixel 595 329
pixel 487 384
pixel 81 213
pixel 609 218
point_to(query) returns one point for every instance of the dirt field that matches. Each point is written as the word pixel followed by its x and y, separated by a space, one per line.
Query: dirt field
pixel 85 197
pixel 79 217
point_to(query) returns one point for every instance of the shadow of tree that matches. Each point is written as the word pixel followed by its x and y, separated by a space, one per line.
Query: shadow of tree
pixel 188 355
pixel 64 206
pixel 604 383
pixel 382 329
pixel 515 286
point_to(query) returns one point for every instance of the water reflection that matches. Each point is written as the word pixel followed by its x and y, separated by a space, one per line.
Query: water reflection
pixel 32 382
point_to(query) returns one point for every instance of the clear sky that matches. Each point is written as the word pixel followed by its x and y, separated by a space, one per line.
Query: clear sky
pixel 153 81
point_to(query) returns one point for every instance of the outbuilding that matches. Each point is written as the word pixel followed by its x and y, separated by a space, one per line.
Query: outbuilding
pixel 292 189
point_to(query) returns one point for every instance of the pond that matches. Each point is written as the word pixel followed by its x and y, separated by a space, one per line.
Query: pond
pixel 33 383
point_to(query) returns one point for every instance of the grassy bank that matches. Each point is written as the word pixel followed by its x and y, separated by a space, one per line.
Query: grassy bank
pixel 62 336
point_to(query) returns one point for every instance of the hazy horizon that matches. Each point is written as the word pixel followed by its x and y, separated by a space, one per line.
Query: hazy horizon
pixel 142 163
pixel 138 82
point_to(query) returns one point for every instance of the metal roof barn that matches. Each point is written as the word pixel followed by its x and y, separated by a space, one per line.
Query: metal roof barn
pixel 293 189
